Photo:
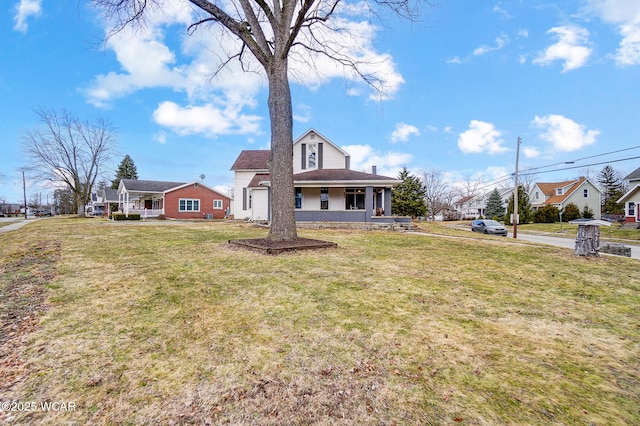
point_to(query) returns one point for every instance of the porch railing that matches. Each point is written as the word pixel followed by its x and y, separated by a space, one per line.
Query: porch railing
pixel 146 213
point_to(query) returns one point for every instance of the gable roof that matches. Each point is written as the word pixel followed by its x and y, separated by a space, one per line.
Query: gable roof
pixel 252 160
pixel 324 138
pixel 138 185
pixel 634 175
pixel 108 195
pixel 184 185
pixel 549 189
pixel 629 193
pixel 464 199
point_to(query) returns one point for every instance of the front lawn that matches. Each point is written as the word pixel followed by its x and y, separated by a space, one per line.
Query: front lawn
pixel 164 323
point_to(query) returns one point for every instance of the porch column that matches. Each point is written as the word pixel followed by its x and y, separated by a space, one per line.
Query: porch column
pixel 368 203
pixel 387 201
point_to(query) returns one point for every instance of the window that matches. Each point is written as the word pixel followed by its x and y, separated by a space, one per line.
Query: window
pixel 632 209
pixel 585 193
pixel 312 156
pixel 324 198
pixel 217 204
pixel 537 195
pixel 559 191
pixel 188 205
pixel 354 198
pixel 298 197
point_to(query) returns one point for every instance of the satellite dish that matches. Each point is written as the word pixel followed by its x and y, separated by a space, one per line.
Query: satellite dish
pixel 202 176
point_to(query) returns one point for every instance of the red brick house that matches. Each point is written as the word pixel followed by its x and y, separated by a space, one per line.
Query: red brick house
pixel 174 200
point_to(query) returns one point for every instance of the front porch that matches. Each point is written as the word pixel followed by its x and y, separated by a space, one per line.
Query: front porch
pixel 145 204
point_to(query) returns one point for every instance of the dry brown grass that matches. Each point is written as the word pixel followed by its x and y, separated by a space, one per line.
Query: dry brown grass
pixel 152 323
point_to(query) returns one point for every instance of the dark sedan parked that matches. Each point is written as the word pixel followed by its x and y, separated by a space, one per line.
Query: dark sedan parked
pixel 489 227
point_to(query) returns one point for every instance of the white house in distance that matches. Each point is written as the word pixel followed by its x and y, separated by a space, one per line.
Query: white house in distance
pixel 580 192
pixel 631 198
pixel 326 189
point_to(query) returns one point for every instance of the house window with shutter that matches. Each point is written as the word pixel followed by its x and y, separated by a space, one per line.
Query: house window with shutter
pixel 312 156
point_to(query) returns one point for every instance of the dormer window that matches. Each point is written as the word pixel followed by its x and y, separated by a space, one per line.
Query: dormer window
pixel 559 191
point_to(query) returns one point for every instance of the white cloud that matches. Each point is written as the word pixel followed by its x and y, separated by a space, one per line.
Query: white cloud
pixel 481 137
pixel 501 41
pixel 303 114
pixel 564 134
pixel 149 61
pixel 209 119
pixel 454 60
pixel 24 10
pixel 530 152
pixel 363 157
pixel 626 15
pixel 570 48
pixel 353 40
pixel 403 131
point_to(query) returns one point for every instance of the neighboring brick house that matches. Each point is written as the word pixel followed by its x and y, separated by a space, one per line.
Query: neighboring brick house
pixel 174 200
pixel 326 189
pixel 631 198
pixel 580 192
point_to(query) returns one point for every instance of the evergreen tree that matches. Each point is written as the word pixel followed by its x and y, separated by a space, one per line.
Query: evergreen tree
pixel 524 208
pixel 587 213
pixel 407 199
pixel 611 186
pixel 494 207
pixel 126 170
pixel 571 212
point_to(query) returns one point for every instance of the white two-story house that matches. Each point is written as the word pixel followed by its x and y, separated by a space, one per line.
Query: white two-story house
pixel 326 189
pixel 631 198
pixel 580 192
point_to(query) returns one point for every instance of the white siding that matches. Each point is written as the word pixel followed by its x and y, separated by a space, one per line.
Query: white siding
pixel 332 156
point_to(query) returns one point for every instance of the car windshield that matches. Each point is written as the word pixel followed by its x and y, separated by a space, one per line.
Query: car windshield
pixel 492 223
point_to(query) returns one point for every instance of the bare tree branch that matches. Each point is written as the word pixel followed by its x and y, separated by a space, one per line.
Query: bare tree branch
pixel 67 150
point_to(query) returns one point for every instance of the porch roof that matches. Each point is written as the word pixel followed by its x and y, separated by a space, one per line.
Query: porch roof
pixel 148 186
pixel 347 177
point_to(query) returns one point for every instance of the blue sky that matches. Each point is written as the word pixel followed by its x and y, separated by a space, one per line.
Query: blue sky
pixel 460 87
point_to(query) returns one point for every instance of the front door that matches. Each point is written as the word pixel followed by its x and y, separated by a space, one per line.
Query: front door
pixel 148 204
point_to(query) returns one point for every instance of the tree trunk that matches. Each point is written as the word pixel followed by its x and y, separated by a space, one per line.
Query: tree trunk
pixel 283 220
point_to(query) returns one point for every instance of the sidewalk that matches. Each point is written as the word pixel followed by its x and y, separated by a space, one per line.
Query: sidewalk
pixel 16 224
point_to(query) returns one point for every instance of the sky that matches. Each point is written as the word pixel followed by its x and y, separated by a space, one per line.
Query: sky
pixel 454 90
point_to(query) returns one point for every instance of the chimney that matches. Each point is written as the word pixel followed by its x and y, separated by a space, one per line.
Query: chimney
pixel 374 170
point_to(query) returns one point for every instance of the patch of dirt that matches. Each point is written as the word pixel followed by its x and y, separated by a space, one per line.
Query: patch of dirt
pixel 23 279
pixel 267 246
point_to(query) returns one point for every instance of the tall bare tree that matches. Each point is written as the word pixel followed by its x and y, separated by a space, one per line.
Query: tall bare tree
pixel 69 150
pixel 273 32
pixel 435 190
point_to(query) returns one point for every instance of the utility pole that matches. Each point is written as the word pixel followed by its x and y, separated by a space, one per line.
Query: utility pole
pixel 24 193
pixel 515 193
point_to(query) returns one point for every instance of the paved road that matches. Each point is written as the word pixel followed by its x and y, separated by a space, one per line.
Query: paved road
pixel 566 242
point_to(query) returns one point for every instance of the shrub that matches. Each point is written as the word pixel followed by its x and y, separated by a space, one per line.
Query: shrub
pixel 122 216
pixel 547 214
